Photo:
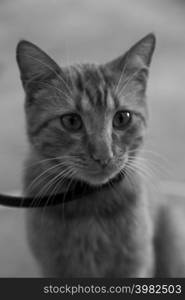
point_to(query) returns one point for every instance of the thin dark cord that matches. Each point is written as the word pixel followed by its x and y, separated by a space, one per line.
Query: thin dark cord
pixel 80 190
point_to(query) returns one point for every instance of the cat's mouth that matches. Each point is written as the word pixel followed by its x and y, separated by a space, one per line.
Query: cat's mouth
pixel 100 178
pixel 92 183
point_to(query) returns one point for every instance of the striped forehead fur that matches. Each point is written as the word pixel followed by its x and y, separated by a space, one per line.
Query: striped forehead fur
pixel 83 88
pixel 84 82
pixel 92 86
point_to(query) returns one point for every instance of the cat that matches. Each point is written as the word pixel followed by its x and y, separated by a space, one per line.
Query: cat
pixel 86 125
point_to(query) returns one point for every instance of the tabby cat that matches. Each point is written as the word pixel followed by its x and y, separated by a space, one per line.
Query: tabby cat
pixel 86 124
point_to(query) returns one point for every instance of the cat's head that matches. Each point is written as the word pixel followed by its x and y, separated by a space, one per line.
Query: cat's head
pixel 86 120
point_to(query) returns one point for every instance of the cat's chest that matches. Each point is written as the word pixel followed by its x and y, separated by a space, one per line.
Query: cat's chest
pixel 89 246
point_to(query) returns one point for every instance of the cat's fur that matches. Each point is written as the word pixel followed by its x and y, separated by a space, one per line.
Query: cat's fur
pixel 112 232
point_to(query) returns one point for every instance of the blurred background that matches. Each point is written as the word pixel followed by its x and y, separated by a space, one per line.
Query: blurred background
pixel 97 31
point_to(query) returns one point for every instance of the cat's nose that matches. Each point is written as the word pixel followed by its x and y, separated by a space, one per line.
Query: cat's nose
pixel 103 161
pixel 100 150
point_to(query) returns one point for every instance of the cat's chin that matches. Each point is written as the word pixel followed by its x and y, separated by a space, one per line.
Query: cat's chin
pixel 99 179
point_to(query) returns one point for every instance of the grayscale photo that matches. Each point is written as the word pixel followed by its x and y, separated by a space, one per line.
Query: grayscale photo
pixel 92 139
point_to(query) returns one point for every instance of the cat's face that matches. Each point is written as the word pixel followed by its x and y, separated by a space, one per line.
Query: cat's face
pixel 86 121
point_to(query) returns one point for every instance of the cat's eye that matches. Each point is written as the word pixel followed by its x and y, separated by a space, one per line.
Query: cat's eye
pixel 122 119
pixel 71 122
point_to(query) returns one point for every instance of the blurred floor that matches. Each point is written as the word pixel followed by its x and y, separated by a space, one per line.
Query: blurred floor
pixel 86 30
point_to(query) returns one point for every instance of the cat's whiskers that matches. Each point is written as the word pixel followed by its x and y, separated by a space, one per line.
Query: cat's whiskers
pixel 145 174
pixel 143 163
pixel 61 157
pixel 158 163
pixel 43 181
pixel 150 183
pixel 41 175
pixel 132 170
pixel 56 185
pixel 133 163
pixel 151 152
pixel 46 186
pixel 51 183
pixel 59 176
pixel 154 166
pixel 68 186
pixel 128 175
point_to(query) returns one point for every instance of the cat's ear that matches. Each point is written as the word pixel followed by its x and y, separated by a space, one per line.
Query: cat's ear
pixel 33 62
pixel 137 58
